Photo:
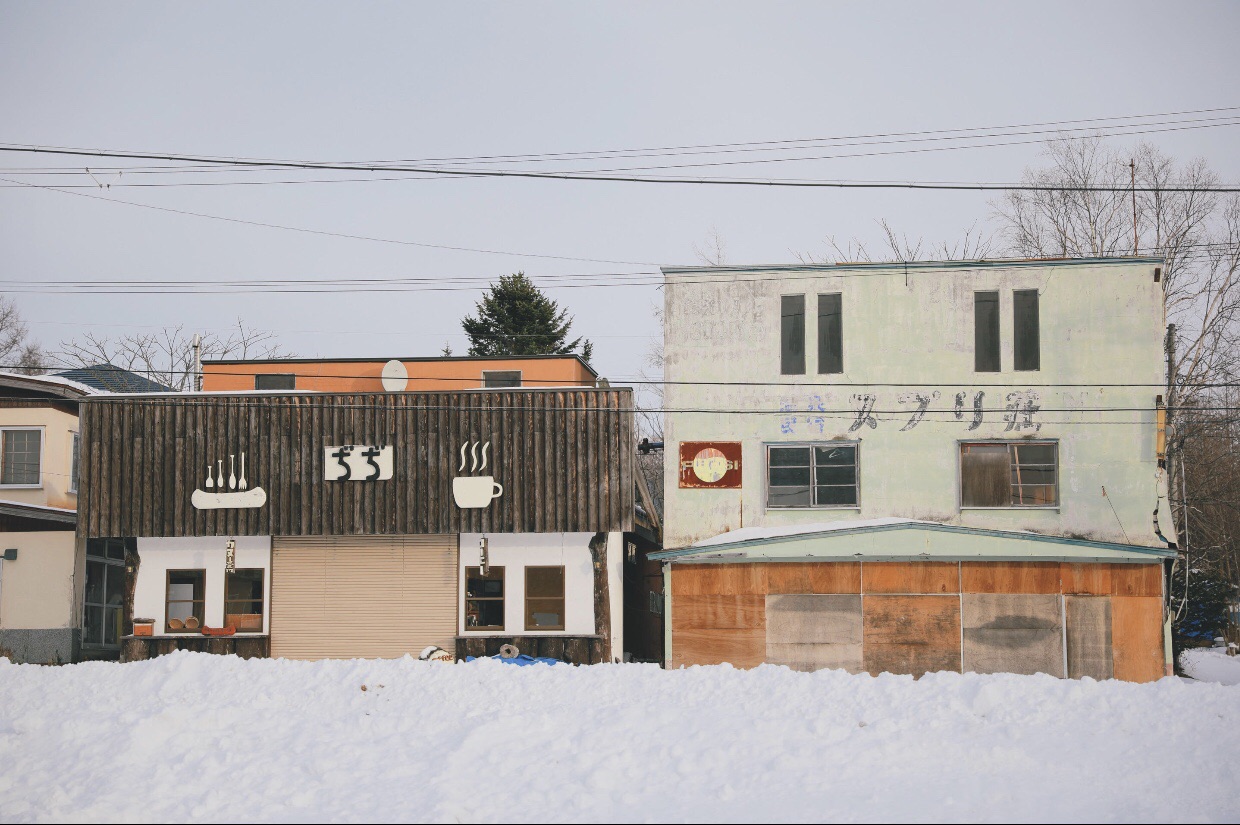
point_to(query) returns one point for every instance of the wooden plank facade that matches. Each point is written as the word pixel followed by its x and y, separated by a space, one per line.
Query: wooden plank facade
pixel 563 456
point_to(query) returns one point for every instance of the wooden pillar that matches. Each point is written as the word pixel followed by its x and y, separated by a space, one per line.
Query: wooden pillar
pixel 602 594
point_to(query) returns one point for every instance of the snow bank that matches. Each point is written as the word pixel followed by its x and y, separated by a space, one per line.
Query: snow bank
pixel 192 737
pixel 1207 664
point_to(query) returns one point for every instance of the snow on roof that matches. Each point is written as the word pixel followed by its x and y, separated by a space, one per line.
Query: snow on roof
pixel 50 381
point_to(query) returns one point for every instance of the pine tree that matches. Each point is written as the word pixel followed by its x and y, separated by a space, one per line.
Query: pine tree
pixel 514 317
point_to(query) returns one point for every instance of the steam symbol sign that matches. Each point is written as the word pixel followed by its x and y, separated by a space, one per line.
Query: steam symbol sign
pixel 469 491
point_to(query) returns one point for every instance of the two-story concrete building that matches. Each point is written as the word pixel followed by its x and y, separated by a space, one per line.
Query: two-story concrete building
pixel 916 467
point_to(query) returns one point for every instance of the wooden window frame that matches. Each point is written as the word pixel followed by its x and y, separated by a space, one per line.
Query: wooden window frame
pixel 1010 443
pixel 562 599
pixel 200 603
pixel 42 431
pixel 112 567
pixel 262 599
pixel 813 475
pixel 487 373
pixel 492 570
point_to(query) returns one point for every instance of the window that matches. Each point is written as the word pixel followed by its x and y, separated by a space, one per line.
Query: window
pixel 986 332
pixel 544 598
pixel 1009 474
pixel 21 457
pixel 73 465
pixel 185 605
pixel 105 592
pixel 811 475
pixel 792 335
pixel 243 600
pixel 830 333
pixel 501 378
pixel 484 599
pixel 276 381
pixel 1026 353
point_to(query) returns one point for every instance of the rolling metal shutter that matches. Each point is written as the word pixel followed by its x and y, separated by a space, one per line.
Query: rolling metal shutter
pixel 345 597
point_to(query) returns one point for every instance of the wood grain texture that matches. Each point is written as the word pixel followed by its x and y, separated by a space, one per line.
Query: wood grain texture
pixel 719 579
pixel 1137 579
pixel 910 577
pixel 814 577
pixel 1012 633
pixel 564 458
pixel 719 612
pixel 1085 579
pixel 740 648
pixel 1089 636
pixel 1009 577
pixel 1137 638
pixel 911 634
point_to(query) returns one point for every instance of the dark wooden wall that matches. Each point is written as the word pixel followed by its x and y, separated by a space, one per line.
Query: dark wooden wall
pixel 564 457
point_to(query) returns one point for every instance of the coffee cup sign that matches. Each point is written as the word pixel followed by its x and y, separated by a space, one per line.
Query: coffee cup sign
pixel 470 491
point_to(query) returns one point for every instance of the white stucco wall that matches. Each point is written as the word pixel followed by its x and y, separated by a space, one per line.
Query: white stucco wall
pixel 56 487
pixel 159 555
pixel 907 332
pixel 516 551
pixel 36 589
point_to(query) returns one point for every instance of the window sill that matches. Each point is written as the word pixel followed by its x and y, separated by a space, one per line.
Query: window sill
pixel 856 508
pixel 21 486
pixel 1054 507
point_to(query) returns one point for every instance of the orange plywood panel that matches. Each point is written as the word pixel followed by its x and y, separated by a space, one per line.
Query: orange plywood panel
pixel 1137 579
pixel 1137 638
pixel 910 577
pixel 1085 579
pixel 718 579
pixel 1009 577
pixel 911 634
pixel 813 577
pixel 719 612
pixel 740 648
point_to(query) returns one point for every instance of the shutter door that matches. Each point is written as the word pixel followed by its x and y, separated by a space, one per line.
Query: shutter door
pixel 345 597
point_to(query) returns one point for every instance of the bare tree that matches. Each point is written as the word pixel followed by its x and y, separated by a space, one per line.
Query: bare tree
pixel 714 250
pixel 17 352
pixel 973 246
pixel 167 356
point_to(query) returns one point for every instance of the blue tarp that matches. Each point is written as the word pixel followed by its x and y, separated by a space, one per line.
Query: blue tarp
pixel 519 660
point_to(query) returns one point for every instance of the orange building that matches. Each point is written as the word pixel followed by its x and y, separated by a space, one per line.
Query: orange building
pixel 396 375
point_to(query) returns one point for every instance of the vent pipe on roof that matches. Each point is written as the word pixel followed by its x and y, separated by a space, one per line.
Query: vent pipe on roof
pixel 197 377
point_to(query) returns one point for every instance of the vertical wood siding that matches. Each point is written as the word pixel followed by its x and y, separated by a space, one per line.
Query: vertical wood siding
pixel 564 458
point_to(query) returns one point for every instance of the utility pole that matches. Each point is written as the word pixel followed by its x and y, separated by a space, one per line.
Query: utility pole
pixel 1132 166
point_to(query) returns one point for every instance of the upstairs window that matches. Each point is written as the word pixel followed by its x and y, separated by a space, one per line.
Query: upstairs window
pixel 792 335
pixel 986 332
pixel 21 457
pixel 484 599
pixel 1009 474
pixel 811 475
pixel 830 333
pixel 1026 353
pixel 276 381
pixel 501 378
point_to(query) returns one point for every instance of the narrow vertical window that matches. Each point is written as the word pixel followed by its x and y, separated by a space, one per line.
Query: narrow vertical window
pixel 243 600
pixel 830 333
pixel 1025 337
pixel 484 598
pixel 792 335
pixel 986 331
pixel 544 598
pixel 184 609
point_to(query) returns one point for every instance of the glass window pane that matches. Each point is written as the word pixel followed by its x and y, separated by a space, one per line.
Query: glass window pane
pixel 835 455
pixel 544 581
pixel 1033 475
pixel 114 588
pixel 1034 495
pixel 788 497
pixel 490 586
pixel 484 614
pixel 111 625
pixel 986 331
pixel 544 614
pixel 20 461
pixel 92 626
pixel 835 475
pixel 1026 352
pixel 789 476
pixel 830 334
pixel 985 475
pixel 95 576
pixel 116 549
pixel 792 335
pixel 276 381
pixel 501 378
pixel 180 610
pixel 244 585
pixel 789 457
pixel 836 495
pixel 1034 453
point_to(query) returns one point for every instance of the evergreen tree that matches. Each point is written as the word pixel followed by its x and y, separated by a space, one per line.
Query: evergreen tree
pixel 515 318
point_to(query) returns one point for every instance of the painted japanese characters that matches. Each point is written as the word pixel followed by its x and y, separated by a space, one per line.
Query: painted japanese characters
pixel 231 492
pixel 472 492
pixel 710 464
pixel 1019 410
pixel 357 462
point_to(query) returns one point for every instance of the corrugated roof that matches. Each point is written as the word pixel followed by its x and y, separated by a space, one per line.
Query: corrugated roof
pixel 111 378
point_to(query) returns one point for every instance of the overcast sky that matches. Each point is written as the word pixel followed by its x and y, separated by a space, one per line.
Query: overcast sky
pixel 357 81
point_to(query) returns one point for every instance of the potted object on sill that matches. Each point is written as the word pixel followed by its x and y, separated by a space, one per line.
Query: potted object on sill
pixel 144 627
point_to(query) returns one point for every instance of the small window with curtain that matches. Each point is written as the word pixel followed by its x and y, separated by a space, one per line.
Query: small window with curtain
pixel 830 333
pixel 1009 474
pixel 811 475
pixel 21 457
pixel 986 332
pixel 792 335
pixel 544 598
pixel 276 381
pixel 484 599
pixel 243 600
pixel 184 611
pixel 1026 348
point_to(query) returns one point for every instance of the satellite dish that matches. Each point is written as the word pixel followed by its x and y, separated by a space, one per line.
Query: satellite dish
pixel 395 376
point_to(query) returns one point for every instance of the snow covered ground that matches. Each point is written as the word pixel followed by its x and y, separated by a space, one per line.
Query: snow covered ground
pixel 193 738
pixel 1208 664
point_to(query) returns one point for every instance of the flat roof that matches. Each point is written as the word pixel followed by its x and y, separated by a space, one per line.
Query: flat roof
pixel 993 263
pixel 180 396
pixel 445 358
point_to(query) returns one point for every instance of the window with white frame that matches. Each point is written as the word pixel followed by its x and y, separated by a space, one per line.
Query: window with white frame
pixel 811 475
pixel 21 456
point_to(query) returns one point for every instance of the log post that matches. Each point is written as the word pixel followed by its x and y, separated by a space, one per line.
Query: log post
pixel 602 593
